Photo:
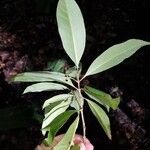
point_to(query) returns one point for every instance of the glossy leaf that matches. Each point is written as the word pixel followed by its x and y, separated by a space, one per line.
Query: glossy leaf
pixel 56 124
pixel 102 97
pixel 61 97
pixel 67 140
pixel 71 29
pixel 50 116
pixel 101 116
pixel 115 55
pixel 44 86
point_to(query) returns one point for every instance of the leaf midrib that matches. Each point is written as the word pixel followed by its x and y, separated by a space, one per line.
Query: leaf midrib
pixel 72 34
pixel 109 61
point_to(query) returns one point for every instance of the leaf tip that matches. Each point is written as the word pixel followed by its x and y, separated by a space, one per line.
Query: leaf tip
pixel 109 136
pixel 44 105
pixel 25 91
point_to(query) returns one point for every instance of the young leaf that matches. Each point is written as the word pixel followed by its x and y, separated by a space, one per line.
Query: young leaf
pixel 44 86
pixel 50 116
pixel 71 29
pixel 101 116
pixel 57 123
pixel 61 97
pixel 67 140
pixel 102 97
pixel 115 55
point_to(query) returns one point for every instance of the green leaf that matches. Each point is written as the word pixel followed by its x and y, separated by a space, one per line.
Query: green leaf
pixel 58 106
pixel 50 107
pixel 44 86
pixel 101 116
pixel 78 98
pixel 67 140
pixel 61 97
pixel 57 110
pixel 60 77
pixel 71 29
pixel 72 72
pixel 32 77
pixel 56 124
pixel 75 104
pixel 97 100
pixel 57 65
pixel 41 76
pixel 102 97
pixel 115 55
pixel 75 147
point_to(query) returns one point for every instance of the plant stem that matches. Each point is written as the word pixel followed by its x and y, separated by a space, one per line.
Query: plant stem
pixel 83 125
pixel 81 111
